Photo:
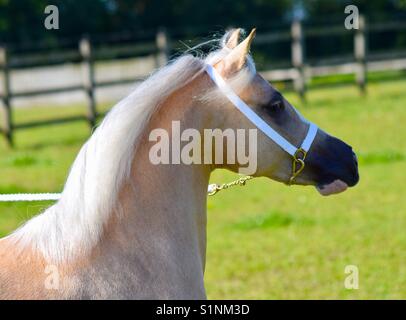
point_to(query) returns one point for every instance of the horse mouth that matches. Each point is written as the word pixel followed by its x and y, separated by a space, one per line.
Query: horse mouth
pixel 337 186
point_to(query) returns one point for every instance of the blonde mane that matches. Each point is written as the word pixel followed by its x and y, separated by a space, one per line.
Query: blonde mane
pixel 74 224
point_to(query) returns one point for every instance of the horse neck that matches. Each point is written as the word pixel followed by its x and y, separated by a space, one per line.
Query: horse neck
pixel 164 206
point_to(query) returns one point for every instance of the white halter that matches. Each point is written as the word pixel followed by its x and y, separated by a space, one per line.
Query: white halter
pixel 298 154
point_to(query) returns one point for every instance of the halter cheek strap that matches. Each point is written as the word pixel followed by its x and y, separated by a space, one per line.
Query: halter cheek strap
pixel 298 154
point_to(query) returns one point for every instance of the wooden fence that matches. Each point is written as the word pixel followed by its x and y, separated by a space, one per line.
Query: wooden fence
pixel 359 63
pixel 299 73
pixel 89 84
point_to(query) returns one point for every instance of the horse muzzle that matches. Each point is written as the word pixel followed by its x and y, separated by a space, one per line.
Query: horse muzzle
pixel 334 166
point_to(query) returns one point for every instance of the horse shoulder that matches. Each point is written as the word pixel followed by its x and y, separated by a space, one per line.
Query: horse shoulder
pixel 22 273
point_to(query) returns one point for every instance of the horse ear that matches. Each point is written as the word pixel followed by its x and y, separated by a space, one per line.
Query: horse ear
pixel 236 59
pixel 233 38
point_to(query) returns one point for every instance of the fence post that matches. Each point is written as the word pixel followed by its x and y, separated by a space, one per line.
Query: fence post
pixel 162 43
pixel 6 97
pixel 298 58
pixel 360 54
pixel 89 80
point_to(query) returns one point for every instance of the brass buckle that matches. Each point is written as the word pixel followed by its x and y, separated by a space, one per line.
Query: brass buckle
pixel 298 164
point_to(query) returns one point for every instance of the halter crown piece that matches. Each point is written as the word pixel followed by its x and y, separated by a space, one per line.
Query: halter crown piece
pixel 298 153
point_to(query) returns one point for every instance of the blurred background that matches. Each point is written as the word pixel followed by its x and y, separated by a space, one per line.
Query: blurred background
pixel 266 240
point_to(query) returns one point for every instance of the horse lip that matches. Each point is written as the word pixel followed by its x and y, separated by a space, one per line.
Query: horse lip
pixel 334 187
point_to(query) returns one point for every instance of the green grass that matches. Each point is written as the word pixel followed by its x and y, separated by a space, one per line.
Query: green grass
pixel 373 77
pixel 269 241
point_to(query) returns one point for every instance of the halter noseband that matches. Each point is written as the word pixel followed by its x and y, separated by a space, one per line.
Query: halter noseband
pixel 298 154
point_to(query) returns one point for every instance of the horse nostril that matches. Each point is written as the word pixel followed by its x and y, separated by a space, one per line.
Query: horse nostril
pixel 355 170
pixel 354 156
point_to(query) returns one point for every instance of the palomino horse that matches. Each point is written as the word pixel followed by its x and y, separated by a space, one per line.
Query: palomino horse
pixel 127 228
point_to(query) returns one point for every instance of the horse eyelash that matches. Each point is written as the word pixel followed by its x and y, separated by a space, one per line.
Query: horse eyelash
pixel 274 106
pixel 277 105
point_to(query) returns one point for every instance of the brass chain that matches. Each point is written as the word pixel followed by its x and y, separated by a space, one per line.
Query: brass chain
pixel 298 165
pixel 214 188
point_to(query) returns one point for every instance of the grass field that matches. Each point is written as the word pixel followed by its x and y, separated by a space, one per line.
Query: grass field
pixel 268 241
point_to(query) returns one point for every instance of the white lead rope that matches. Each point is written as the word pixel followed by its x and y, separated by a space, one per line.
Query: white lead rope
pixel 29 197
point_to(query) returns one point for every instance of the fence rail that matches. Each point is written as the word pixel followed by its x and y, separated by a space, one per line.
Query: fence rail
pixel 300 72
pixel 87 57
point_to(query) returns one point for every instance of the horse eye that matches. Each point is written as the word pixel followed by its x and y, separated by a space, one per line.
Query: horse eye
pixel 278 105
